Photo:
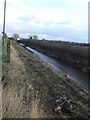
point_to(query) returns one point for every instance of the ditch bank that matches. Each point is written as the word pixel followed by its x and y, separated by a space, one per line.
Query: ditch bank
pixel 31 87
pixel 75 55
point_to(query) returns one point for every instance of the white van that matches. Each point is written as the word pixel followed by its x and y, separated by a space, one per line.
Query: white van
pixel 18 39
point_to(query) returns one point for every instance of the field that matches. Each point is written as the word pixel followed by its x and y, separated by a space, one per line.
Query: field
pixel 74 54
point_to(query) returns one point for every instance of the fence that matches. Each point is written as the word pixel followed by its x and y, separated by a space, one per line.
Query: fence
pixel 6 50
pixel 0 77
pixel 0 56
pixel 4 59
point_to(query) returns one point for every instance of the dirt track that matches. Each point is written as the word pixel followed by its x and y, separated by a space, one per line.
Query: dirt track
pixel 22 101
pixel 14 104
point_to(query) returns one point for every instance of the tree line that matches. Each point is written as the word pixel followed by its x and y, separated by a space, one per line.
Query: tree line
pixel 15 36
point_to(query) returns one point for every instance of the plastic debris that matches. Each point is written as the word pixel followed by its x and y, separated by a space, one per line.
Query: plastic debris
pixel 62 105
pixel 21 44
pixel 30 87
pixel 57 109
pixel 67 75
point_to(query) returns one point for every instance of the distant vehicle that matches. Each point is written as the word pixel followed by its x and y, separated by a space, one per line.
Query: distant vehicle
pixel 18 39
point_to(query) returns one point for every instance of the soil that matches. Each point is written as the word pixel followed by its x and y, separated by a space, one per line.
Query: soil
pixel 31 86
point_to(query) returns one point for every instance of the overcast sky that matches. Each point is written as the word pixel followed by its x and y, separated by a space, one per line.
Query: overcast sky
pixel 50 19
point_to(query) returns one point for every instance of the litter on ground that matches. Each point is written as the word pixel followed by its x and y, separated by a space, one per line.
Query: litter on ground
pixel 30 87
pixel 67 75
pixel 62 105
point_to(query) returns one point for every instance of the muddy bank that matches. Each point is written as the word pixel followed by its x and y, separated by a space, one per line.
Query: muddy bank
pixel 31 86
pixel 75 55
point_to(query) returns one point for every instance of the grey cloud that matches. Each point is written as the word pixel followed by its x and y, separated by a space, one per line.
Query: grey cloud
pixel 54 32
pixel 48 23
pixel 65 22
pixel 26 18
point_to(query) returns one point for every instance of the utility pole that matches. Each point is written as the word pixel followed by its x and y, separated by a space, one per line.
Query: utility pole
pixel 4 22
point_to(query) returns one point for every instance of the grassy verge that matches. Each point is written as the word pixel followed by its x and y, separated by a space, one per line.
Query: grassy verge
pixel 27 69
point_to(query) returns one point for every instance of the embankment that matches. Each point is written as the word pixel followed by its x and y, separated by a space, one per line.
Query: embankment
pixel 31 86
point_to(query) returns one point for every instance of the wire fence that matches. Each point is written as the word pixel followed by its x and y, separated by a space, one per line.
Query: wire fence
pixel 4 59
pixel 0 76
pixel 0 56
pixel 6 51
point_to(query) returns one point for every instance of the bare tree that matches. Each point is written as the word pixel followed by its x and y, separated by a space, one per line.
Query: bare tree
pixel 15 36
pixel 30 37
pixel 35 37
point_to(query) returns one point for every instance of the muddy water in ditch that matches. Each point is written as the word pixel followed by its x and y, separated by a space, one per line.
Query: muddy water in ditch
pixel 75 74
